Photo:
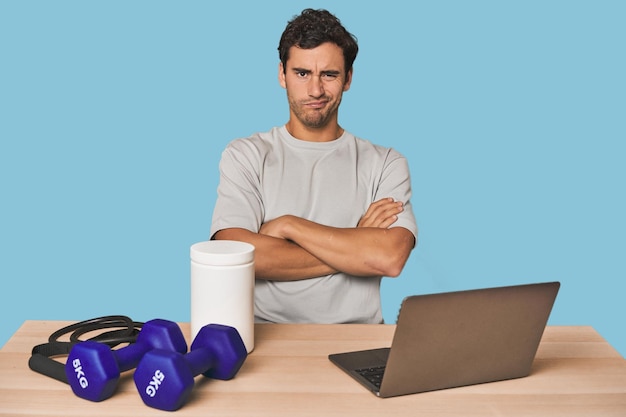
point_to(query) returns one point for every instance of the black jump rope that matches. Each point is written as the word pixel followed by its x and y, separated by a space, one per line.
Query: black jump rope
pixel 126 331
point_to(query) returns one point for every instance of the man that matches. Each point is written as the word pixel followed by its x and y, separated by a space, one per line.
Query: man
pixel 329 214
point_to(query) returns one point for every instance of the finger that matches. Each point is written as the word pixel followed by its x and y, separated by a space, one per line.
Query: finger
pixel 380 206
pixel 387 209
pixel 390 214
pixel 388 222
pixel 380 210
pixel 381 213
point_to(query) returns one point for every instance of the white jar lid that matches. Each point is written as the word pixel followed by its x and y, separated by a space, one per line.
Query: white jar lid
pixel 222 252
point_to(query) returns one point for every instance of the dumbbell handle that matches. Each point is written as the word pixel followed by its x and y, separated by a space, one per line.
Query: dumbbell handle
pixel 200 360
pixel 129 356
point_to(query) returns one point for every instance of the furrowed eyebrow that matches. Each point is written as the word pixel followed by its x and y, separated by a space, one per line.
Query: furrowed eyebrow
pixel 308 71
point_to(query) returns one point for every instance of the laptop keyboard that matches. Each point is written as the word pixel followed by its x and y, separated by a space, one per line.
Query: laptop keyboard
pixel 373 375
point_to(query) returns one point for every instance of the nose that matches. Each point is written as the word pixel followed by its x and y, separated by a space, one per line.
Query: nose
pixel 316 88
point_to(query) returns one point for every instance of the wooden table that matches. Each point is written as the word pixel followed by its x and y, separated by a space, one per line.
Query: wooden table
pixel 576 373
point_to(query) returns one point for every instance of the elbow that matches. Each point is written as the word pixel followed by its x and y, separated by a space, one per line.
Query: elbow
pixel 394 261
pixel 381 264
pixel 394 267
pixel 390 264
pixel 394 273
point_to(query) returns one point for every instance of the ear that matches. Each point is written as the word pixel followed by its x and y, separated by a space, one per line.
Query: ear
pixel 281 75
pixel 346 85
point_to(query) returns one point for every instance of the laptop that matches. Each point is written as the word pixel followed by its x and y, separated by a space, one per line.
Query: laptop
pixel 454 339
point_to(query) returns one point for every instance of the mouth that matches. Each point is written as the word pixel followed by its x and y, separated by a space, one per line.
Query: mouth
pixel 316 104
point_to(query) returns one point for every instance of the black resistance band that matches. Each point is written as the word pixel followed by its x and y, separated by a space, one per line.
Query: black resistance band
pixel 126 331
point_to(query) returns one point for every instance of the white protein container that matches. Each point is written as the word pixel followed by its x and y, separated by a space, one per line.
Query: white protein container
pixel 222 287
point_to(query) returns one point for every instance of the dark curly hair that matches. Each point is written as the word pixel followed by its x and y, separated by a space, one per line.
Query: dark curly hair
pixel 311 29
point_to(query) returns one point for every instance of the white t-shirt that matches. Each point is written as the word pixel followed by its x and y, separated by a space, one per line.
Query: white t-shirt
pixel 332 183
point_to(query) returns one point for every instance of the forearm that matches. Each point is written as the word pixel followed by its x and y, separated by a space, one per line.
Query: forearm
pixel 278 259
pixel 362 251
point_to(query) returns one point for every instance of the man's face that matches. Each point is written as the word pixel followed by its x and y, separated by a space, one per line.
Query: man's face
pixel 315 80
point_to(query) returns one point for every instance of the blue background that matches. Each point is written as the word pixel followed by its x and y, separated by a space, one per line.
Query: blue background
pixel 113 116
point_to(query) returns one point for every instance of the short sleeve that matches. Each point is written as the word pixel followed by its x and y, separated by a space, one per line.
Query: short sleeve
pixel 239 202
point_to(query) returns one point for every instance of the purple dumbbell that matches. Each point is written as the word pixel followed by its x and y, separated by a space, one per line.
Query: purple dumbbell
pixel 165 379
pixel 93 368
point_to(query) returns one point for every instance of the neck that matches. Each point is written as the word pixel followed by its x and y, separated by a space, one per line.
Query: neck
pixel 326 133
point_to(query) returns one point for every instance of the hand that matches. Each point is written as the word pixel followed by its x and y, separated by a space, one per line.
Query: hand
pixel 382 213
pixel 273 227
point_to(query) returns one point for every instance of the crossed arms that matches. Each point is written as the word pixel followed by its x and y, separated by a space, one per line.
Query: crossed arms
pixel 292 248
